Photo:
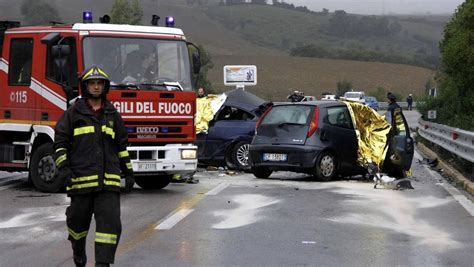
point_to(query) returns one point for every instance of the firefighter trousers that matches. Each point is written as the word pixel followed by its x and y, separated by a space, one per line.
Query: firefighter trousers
pixel 105 205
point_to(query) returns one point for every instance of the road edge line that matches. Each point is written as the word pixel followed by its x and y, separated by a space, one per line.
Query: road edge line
pixel 453 191
pixel 458 178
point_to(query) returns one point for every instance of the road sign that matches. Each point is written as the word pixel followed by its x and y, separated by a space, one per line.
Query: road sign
pixel 431 114
pixel 240 75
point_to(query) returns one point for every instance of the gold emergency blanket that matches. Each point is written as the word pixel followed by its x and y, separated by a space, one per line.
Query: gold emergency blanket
pixel 372 130
pixel 206 108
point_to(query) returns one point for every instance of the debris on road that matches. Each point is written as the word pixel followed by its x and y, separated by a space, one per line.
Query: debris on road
pixel 387 181
pixel 433 163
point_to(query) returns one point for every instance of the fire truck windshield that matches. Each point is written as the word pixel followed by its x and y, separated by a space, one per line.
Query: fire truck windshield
pixel 132 61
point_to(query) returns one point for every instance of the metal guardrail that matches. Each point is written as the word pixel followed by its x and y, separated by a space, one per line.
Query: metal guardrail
pixel 455 140
pixel 404 105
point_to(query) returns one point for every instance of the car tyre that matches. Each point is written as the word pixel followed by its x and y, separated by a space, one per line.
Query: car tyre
pixel 261 172
pixel 240 156
pixel 325 168
pixel 153 182
pixel 42 170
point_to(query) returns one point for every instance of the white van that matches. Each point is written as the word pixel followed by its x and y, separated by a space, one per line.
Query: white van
pixel 329 97
pixel 355 96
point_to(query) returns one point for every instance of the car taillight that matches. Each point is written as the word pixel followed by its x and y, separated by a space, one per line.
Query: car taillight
pixel 313 125
pixel 261 119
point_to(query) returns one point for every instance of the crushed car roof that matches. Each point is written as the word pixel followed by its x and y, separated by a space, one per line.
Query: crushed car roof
pixel 243 99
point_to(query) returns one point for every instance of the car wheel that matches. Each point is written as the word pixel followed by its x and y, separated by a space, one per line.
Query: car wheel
pixel 153 182
pixel 261 172
pixel 240 155
pixel 325 168
pixel 43 170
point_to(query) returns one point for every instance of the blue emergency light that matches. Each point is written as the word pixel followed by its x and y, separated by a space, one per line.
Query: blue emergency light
pixel 87 16
pixel 169 21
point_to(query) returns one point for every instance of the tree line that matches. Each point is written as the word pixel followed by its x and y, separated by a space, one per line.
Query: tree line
pixel 455 100
pixel 361 54
pixel 275 3
pixel 343 25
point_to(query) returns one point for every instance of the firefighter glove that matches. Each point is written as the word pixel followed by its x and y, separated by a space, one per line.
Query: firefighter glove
pixel 129 182
pixel 65 174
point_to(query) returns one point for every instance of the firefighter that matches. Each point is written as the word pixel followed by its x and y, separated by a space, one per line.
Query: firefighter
pixel 392 102
pixel 91 155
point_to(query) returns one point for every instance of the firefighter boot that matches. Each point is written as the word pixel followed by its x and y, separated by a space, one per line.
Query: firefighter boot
pixel 79 252
pixel 80 261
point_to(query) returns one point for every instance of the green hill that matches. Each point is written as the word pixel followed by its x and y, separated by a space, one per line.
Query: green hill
pixel 264 35
pixel 392 39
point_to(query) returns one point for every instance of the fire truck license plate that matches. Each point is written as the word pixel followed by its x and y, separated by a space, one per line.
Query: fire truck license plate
pixel 146 166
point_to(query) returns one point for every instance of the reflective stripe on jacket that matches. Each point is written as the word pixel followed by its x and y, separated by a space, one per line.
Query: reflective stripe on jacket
pixel 94 148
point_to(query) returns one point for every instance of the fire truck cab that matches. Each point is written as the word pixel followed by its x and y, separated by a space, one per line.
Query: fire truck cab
pixel 151 71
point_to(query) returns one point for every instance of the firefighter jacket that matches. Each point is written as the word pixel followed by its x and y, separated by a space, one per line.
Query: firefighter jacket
pixel 91 149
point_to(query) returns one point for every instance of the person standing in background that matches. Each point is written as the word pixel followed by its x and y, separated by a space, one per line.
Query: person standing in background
pixel 201 93
pixel 410 101
pixel 392 102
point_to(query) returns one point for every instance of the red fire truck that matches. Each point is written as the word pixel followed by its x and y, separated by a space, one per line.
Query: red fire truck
pixel 151 86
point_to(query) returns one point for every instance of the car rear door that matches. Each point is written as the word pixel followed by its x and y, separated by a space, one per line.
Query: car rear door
pixel 338 132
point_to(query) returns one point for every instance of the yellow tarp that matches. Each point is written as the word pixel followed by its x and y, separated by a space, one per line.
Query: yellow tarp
pixel 372 130
pixel 206 108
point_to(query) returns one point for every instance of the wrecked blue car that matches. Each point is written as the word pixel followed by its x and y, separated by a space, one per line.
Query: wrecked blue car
pixel 230 132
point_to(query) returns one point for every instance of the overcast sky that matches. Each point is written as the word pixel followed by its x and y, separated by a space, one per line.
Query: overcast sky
pixel 382 6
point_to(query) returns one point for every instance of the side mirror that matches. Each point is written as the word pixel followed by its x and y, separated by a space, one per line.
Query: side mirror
pixel 51 38
pixel 196 62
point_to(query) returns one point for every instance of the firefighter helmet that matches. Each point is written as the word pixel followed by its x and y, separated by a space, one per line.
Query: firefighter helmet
pixel 391 96
pixel 94 73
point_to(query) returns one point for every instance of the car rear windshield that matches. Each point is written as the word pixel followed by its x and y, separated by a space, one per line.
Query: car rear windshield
pixel 292 114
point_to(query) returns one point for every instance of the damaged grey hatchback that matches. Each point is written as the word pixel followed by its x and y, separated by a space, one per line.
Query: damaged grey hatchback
pixel 323 139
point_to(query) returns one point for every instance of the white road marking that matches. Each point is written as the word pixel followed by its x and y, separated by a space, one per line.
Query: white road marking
pixel 178 215
pixel 246 213
pixel 173 218
pixel 394 211
pixel 308 242
pixel 466 203
pixel 217 189
pixel 460 198
pixel 35 216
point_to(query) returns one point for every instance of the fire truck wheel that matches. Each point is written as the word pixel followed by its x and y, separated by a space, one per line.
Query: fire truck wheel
pixel 153 182
pixel 43 170
pixel 240 156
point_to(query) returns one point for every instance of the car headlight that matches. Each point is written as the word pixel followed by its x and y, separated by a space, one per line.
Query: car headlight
pixel 188 154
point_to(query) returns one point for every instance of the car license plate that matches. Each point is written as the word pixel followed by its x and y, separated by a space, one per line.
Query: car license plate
pixel 146 167
pixel 274 157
